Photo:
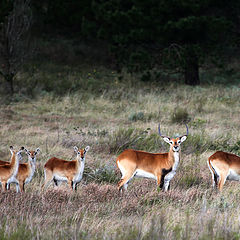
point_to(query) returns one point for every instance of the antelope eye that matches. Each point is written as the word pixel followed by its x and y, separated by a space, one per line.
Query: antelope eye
pixel 171 142
pixel 178 141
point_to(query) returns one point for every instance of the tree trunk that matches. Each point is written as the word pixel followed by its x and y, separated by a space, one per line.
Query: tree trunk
pixel 9 81
pixel 192 70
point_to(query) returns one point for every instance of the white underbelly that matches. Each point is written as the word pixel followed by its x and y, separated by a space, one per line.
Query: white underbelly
pixel 232 175
pixel 143 174
pixel 28 180
pixel 60 178
pixel 12 180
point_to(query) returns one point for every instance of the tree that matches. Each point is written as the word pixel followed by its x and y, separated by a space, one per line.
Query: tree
pixel 14 40
pixel 142 30
pixel 202 28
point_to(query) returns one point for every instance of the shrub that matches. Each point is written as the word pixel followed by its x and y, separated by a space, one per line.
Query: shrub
pixel 197 143
pixel 139 116
pixel 133 138
pixel 197 123
pixel 180 115
pixel 145 117
pixel 122 139
pixel 190 178
pixel 103 174
pixel 223 144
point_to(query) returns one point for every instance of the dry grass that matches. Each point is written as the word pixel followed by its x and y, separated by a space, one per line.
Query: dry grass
pixel 190 210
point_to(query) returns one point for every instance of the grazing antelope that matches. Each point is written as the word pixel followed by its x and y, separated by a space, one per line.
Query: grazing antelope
pixel 26 170
pixel 60 170
pixel 158 166
pixel 224 166
pixel 9 171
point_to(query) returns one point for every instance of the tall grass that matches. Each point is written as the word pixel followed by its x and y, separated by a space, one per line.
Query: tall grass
pixel 110 116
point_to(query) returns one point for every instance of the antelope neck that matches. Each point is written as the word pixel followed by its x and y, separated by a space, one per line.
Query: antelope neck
pixel 174 156
pixel 80 162
pixel 15 164
pixel 13 159
pixel 32 165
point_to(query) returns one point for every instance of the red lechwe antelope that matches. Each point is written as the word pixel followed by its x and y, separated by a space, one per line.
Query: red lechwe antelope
pixel 224 166
pixel 9 171
pixel 158 166
pixel 60 170
pixel 25 170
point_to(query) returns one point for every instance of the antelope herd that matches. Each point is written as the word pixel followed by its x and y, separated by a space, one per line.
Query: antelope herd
pixel 132 163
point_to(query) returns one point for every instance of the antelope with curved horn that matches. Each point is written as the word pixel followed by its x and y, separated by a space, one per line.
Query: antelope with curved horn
pixel 223 166
pixel 158 166
pixel 60 170
pixel 9 171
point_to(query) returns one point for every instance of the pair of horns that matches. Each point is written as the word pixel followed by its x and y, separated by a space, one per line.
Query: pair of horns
pixel 159 131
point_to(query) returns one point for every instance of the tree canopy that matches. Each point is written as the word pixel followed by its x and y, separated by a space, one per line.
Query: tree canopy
pixel 190 30
pixel 143 35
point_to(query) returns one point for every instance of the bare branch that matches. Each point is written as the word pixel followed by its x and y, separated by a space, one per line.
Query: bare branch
pixel 15 39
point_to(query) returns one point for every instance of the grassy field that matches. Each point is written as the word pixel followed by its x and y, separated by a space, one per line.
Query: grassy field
pixel 110 116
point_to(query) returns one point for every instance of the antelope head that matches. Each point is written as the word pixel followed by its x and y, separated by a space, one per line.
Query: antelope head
pixel 174 142
pixel 81 152
pixel 32 154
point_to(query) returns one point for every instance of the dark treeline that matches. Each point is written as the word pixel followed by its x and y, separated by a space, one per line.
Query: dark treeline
pixel 142 35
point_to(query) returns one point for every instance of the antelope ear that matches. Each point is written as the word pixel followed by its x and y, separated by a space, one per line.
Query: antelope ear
pixel 75 149
pixel 183 138
pixel 11 149
pixel 166 139
pixel 37 151
pixel 21 149
pixel 27 152
pixel 87 148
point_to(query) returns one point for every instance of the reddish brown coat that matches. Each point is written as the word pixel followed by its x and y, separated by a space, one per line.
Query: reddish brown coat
pixel 7 170
pixel 222 166
pixel 24 170
pixel 131 162
pixel 62 170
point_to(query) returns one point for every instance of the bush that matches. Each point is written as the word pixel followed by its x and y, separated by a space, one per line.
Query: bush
pixel 139 116
pixel 103 174
pixel 197 143
pixel 134 138
pixel 223 144
pixel 190 178
pixel 180 115
pixel 144 117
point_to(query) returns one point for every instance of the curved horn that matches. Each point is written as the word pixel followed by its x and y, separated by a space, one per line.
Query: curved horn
pixel 159 131
pixel 187 128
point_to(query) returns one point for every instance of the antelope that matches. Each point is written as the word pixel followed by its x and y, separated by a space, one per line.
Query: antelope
pixel 60 170
pixel 223 166
pixel 26 170
pixel 9 171
pixel 158 166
